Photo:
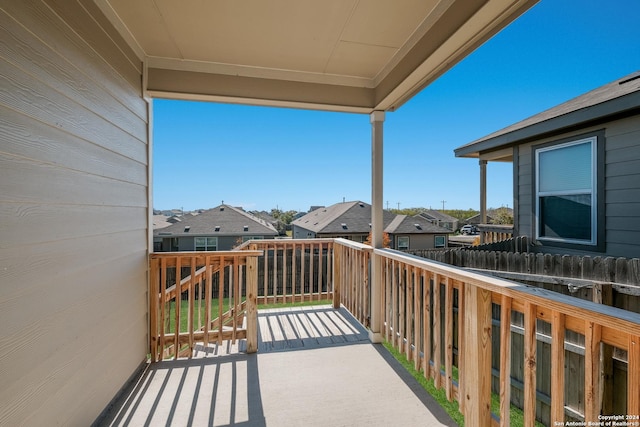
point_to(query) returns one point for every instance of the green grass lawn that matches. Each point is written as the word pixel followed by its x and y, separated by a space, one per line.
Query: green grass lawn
pixel 170 310
pixel 452 408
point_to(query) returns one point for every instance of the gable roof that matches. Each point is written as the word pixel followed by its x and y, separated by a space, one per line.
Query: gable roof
pixel 437 215
pixel 341 218
pixel 232 222
pixel 405 224
pixel 618 99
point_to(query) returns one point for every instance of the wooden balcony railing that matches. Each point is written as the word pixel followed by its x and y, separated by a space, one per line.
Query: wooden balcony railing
pixel 293 270
pixel 201 297
pixel 445 313
pixel 451 323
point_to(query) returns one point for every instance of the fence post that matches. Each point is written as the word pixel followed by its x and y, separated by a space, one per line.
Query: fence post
pixel 252 304
pixel 337 274
pixel 477 369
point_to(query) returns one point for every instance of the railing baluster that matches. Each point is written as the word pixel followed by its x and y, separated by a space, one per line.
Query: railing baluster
pixel 505 361
pixel 557 366
pixel 592 339
pixel 177 307
pixel 530 362
pixel 427 329
pixel 448 337
pixel 221 280
pixel 416 318
pixel 461 346
pixel 163 306
pixel 437 333
pixel 208 296
pixel 633 376
pixel 191 305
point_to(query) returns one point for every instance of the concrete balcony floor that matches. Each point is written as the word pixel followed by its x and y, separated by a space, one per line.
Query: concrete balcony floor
pixel 315 367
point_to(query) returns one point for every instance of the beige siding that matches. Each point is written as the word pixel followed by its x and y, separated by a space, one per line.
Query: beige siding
pixel 73 213
pixel 622 185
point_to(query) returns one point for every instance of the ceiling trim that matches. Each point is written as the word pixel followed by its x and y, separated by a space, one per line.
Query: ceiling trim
pixel 257 72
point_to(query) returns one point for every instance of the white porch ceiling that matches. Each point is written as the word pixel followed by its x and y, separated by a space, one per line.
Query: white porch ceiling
pixel 344 55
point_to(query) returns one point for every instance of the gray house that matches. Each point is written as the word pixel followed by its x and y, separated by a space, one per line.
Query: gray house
pixel 218 229
pixel 576 171
pixel 352 220
pixel 440 218
pixel 416 232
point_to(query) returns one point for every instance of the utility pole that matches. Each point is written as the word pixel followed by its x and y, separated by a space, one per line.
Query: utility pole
pixel 398 205
pixel 387 205
pixel 443 202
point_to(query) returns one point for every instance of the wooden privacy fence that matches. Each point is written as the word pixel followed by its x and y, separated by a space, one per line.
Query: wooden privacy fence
pixel 440 317
pixel 201 297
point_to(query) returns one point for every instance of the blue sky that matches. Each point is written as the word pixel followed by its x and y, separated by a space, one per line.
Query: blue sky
pixel 261 158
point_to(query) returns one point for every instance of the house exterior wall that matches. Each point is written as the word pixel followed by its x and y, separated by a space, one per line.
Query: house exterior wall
pixel 622 186
pixel 419 241
pixel 73 213
pixel 302 233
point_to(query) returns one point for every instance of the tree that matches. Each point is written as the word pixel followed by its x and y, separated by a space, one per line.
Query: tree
pixel 502 216
pixel 386 240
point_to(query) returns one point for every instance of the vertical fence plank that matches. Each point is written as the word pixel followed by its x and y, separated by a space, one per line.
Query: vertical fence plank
pixel 477 380
pixel 408 331
pixel 387 290
pixel 294 270
pixel 530 350
pixel 236 299
pixel 633 376
pixel 557 366
pixel 505 361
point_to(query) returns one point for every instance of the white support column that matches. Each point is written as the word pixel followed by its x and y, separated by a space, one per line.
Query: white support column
pixel 483 195
pixel 377 224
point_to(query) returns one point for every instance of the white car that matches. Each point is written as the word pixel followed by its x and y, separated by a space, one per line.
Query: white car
pixel 469 229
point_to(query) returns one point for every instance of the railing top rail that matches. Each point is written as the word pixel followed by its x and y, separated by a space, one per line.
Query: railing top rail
pixel 282 242
pixel 212 254
pixel 352 244
pixel 612 317
pixel 508 227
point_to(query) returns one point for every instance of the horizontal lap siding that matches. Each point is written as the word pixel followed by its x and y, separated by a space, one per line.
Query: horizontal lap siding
pixel 73 213
pixel 622 171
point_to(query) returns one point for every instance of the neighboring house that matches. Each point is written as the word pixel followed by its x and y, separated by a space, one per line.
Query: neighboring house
pixel 349 220
pixel 160 221
pixel 476 219
pixel 352 220
pixel 217 229
pixel 265 216
pixel 576 171
pixel 416 232
pixel 440 218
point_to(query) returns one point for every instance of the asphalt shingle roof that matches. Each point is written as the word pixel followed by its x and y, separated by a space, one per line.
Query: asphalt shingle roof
pixel 405 224
pixel 618 97
pixel 356 217
pixel 231 220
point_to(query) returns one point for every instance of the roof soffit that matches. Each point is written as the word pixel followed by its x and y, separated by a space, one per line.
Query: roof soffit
pixel 356 55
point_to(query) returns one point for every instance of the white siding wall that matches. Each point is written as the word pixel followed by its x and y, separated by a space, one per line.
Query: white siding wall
pixel 73 213
pixel 622 185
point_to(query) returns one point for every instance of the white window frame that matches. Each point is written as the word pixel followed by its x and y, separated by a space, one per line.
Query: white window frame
pixel 206 243
pixel 247 238
pixel 398 243
pixel 444 241
pixel 593 140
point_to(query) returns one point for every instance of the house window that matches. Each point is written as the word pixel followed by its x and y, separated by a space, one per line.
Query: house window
pixel 566 182
pixel 403 243
pixel 206 243
pixel 440 241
